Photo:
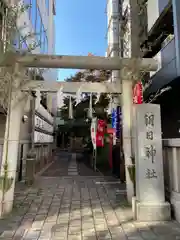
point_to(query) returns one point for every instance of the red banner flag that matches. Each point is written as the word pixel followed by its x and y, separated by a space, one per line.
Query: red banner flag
pixel 100 133
pixel 138 93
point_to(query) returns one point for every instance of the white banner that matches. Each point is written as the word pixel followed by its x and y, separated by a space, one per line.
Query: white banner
pixel 93 131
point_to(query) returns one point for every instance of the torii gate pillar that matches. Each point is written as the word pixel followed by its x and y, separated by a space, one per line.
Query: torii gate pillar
pixel 127 103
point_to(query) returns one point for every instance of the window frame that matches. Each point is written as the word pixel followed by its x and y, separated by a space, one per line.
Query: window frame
pixel 38 31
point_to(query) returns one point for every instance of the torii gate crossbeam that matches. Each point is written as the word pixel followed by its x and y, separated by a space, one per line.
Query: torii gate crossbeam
pixel 72 87
pixel 79 62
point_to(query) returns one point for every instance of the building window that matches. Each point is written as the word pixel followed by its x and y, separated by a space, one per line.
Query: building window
pixel 37 24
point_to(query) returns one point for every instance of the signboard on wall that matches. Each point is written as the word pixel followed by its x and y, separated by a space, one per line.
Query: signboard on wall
pixel 40 137
pixel 43 131
pixel 42 124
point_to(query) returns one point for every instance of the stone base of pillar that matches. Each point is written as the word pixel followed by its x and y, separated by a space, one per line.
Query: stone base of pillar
pixel 6 208
pixel 146 212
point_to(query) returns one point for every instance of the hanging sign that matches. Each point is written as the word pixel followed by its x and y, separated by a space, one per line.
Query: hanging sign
pixel 138 93
pixel 43 132
pixel 93 131
pixel 43 125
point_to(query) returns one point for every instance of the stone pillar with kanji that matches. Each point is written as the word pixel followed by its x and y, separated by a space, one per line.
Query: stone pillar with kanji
pixel 150 196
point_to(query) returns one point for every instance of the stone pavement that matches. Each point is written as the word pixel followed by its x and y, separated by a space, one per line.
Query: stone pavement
pixel 59 168
pixel 72 169
pixel 78 207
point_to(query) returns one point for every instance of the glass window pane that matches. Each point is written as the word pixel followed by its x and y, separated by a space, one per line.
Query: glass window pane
pixel 24 46
pixel 41 34
pixel 46 45
pixel 42 39
pixel 33 13
pixel 47 6
pixel 27 1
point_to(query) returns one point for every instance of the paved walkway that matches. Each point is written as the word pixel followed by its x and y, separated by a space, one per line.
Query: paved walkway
pixel 77 207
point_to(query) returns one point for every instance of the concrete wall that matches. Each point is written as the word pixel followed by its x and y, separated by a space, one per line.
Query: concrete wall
pixel 2 125
pixel 25 136
pixel 26 127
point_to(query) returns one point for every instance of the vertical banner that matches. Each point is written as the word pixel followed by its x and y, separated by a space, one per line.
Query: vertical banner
pixel 113 117
pixel 93 131
pixel 118 122
pixel 138 93
pixel 100 133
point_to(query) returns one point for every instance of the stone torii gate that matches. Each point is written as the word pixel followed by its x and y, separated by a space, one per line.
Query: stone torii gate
pixel 85 62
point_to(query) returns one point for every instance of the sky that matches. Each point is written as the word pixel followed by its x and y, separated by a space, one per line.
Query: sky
pixel 80 27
